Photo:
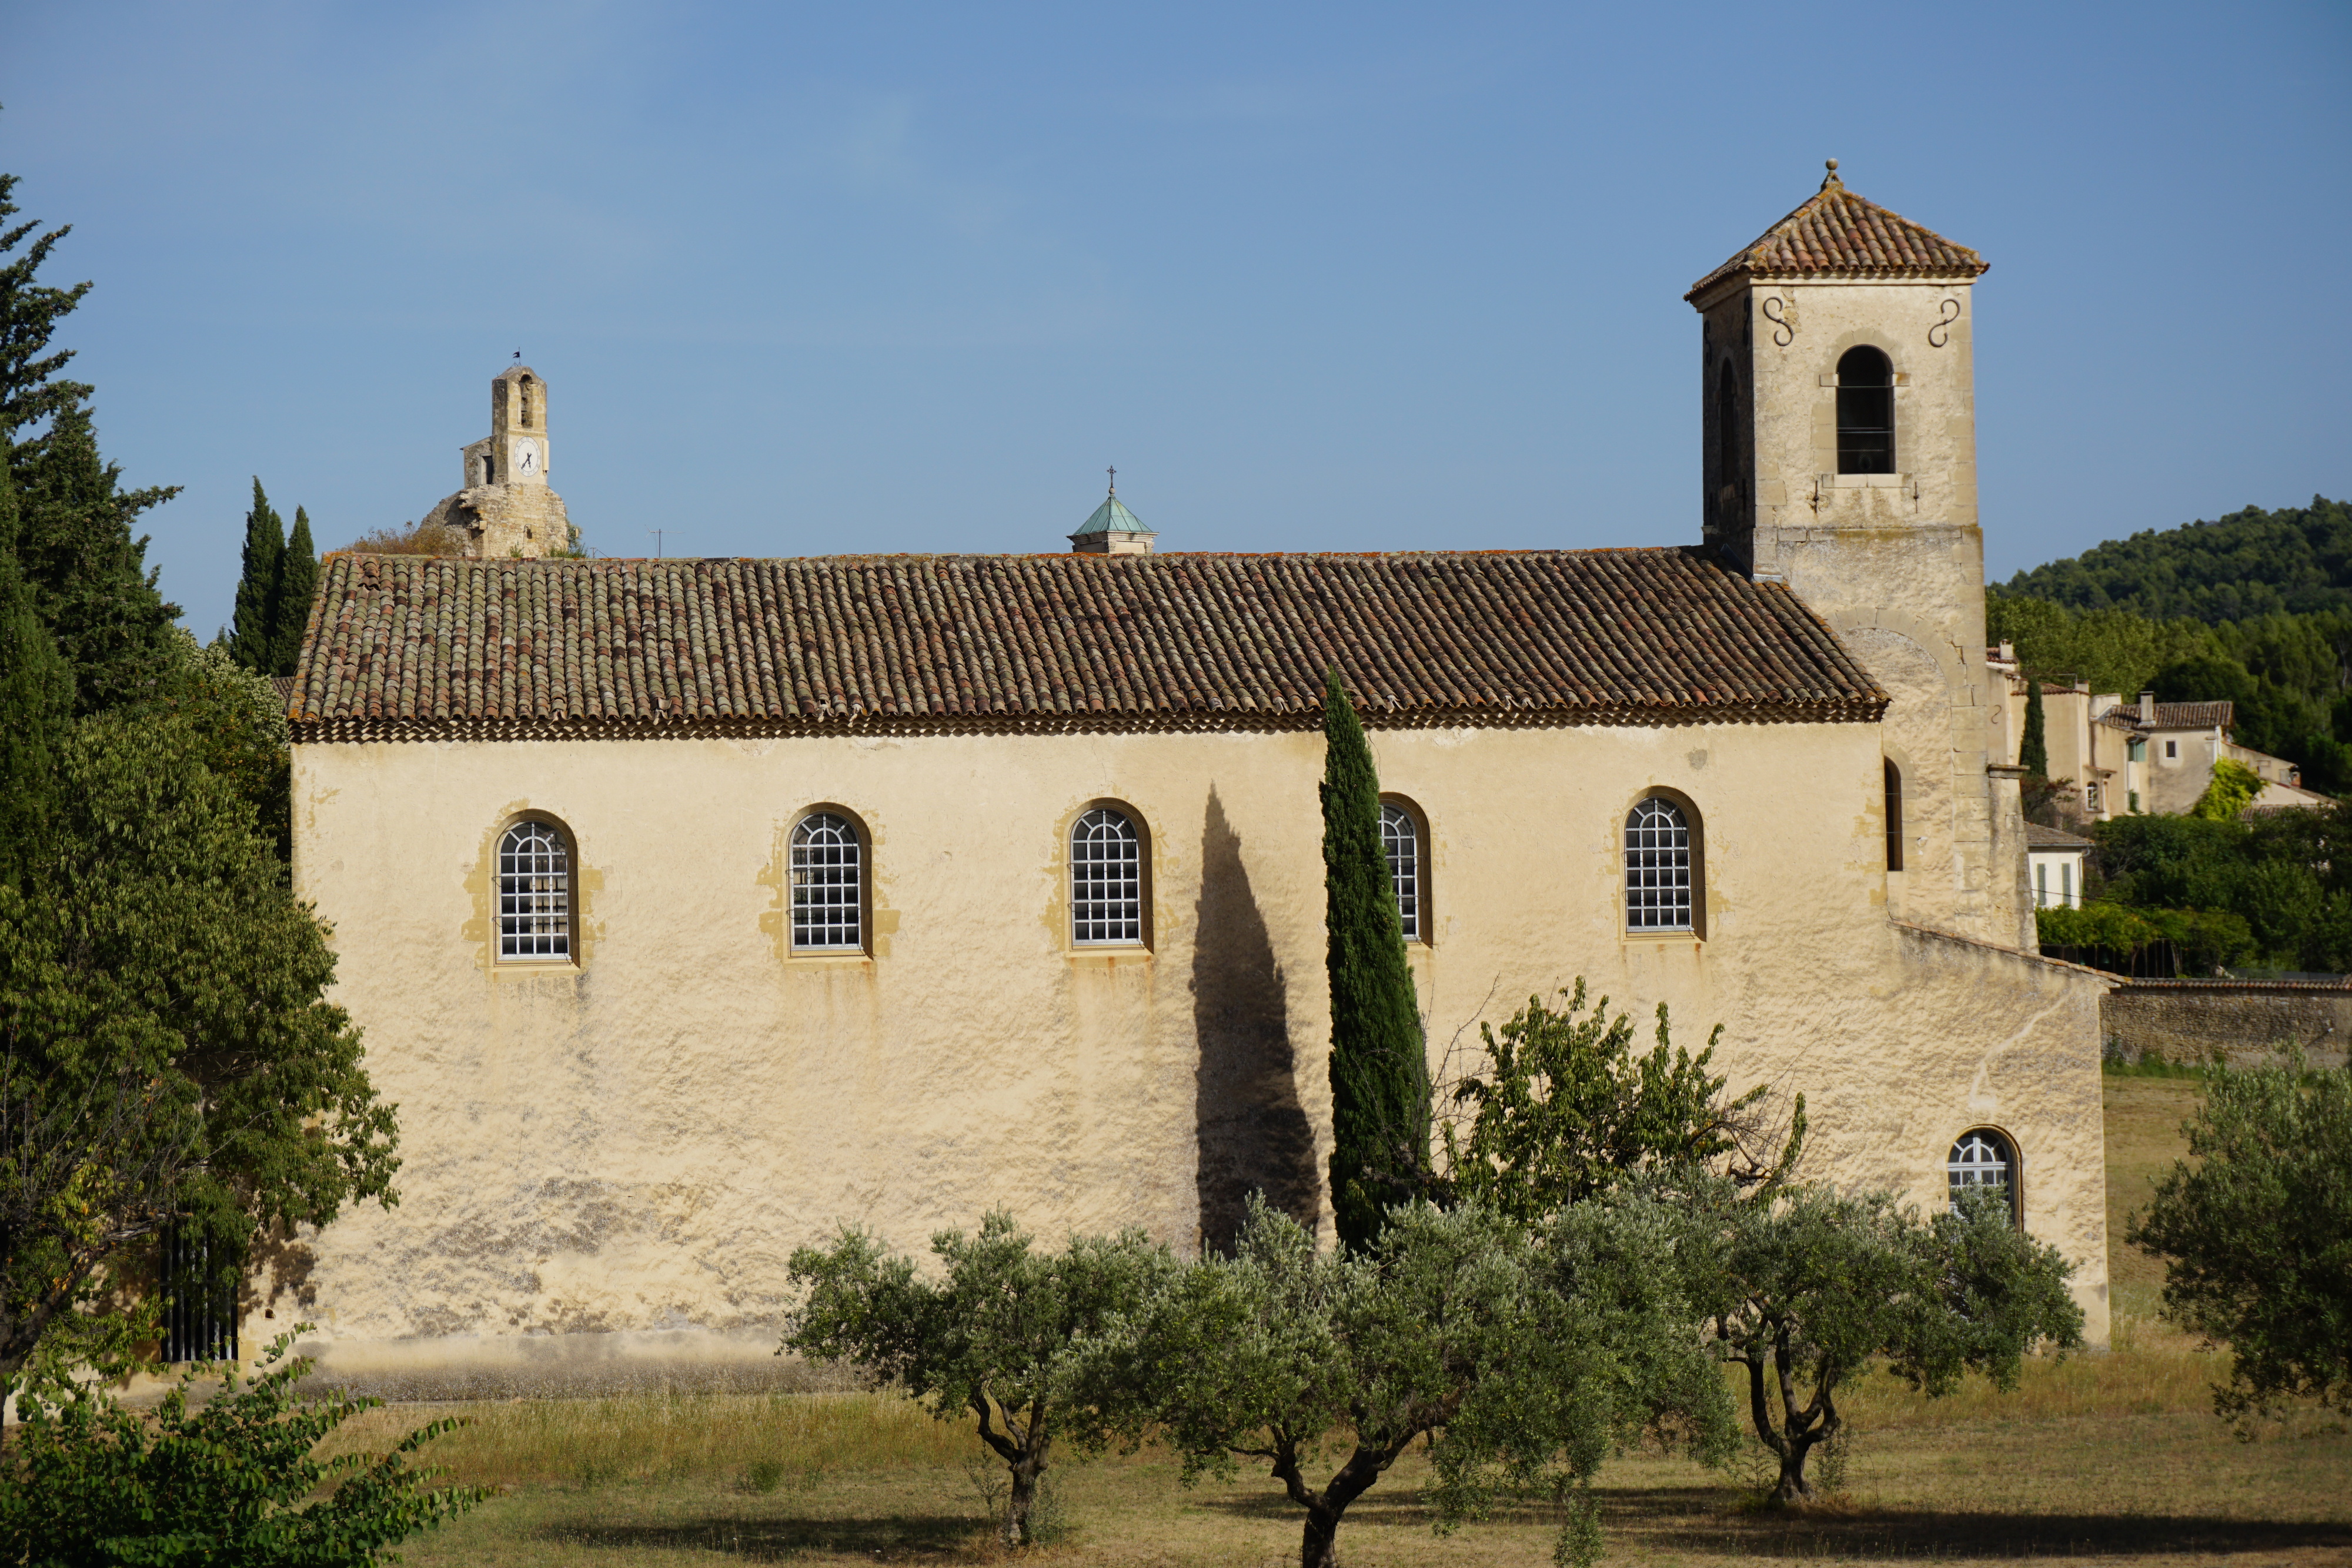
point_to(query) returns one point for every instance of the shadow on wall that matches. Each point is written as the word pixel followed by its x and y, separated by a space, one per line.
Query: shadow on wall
pixel 1251 1130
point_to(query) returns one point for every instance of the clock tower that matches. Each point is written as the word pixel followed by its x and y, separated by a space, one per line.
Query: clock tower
pixel 506 507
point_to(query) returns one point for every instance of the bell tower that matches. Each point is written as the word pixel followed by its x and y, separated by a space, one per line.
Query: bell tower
pixel 506 507
pixel 1839 406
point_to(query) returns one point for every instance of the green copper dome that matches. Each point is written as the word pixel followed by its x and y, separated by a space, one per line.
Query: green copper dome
pixel 1111 518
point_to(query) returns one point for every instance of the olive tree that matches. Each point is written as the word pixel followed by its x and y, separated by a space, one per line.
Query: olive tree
pixel 998 1336
pixel 1493 1342
pixel 2256 1234
pixel 1811 1286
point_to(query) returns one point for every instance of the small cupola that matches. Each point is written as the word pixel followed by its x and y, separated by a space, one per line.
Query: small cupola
pixel 1113 530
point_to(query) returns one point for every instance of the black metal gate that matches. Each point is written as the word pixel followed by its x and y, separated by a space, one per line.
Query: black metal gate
pixel 199 1299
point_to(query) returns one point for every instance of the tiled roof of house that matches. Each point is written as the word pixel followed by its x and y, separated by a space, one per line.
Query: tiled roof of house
pixel 2038 837
pixel 1837 234
pixel 411 646
pixel 2173 715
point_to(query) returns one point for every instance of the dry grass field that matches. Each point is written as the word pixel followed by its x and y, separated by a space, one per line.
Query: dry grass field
pixel 2109 1459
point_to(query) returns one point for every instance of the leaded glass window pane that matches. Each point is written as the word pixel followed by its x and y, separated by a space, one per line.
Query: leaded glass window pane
pixel 828 885
pixel 534 894
pixel 1978 1159
pixel 1657 867
pixel 1400 838
pixel 1105 879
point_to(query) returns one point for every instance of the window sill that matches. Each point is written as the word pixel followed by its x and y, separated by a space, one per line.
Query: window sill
pixel 1662 933
pixel 1106 955
pixel 829 956
pixel 1866 481
pixel 534 969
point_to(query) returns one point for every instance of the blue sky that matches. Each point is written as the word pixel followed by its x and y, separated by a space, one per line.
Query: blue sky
pixel 877 277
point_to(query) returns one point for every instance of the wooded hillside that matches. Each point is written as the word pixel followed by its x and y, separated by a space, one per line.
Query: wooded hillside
pixel 2296 559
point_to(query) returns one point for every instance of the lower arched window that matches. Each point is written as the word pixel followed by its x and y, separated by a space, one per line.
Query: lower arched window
pixel 1400 842
pixel 828 885
pixel 1659 884
pixel 534 893
pixel 1982 1159
pixel 1106 880
pixel 1894 816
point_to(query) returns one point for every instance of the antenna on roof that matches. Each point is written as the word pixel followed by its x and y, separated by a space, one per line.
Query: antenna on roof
pixel 657 541
pixel 1114 480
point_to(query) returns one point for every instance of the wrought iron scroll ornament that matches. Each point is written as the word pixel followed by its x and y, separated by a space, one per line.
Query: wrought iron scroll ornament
pixel 1941 332
pixel 1784 326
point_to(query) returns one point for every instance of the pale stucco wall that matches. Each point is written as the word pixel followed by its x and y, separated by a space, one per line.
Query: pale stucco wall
pixel 606 1164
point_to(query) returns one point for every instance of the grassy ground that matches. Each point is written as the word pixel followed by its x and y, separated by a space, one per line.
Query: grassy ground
pixel 2108 1459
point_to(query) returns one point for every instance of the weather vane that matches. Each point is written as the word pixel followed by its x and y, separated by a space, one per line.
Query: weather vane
pixel 1114 480
pixel 518 356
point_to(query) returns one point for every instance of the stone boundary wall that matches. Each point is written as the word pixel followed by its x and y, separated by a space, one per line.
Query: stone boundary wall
pixel 2241 1022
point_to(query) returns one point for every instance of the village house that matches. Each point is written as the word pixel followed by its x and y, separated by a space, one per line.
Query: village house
pixel 695 908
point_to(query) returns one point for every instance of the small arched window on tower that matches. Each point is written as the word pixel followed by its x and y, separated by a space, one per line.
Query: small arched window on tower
pixel 828 885
pixel 1894 816
pixel 534 893
pixel 1660 883
pixel 1865 412
pixel 526 402
pixel 489 469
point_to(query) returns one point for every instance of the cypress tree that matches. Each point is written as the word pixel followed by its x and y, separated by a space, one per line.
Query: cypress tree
pixel 36 697
pixel 297 581
pixel 2033 746
pixel 1380 1072
pixel 253 635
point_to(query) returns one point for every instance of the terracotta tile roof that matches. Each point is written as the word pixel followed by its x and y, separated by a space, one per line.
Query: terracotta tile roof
pixel 1836 234
pixel 2038 837
pixel 411 646
pixel 2173 715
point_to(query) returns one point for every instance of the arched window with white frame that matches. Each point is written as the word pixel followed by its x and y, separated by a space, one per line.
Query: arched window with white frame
pixel 1982 1159
pixel 828 885
pixel 534 894
pixel 1106 880
pixel 1661 871
pixel 1401 842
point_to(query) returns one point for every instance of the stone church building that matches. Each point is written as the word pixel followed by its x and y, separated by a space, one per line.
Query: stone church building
pixel 694 907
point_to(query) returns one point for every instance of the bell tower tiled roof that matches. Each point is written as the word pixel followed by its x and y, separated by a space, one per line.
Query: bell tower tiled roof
pixel 1837 234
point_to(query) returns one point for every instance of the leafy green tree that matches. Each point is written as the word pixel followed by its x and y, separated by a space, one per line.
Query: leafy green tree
pixel 1565 1109
pixel 231 1481
pixel 1521 1358
pixel 998 1337
pixel 252 635
pixel 1813 1287
pixel 2255 1231
pixel 297 584
pixel 162 998
pixel 1380 1066
pixel 2033 746
pixel 36 697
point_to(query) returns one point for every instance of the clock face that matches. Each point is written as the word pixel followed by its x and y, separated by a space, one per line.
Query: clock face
pixel 527 457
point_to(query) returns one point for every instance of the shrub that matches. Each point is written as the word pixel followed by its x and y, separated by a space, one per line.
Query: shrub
pixel 233 1482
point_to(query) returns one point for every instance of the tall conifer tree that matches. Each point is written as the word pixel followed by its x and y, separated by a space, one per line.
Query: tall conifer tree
pixel 36 697
pixel 86 573
pixel 1380 1070
pixel 297 580
pixel 253 635
pixel 2033 746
